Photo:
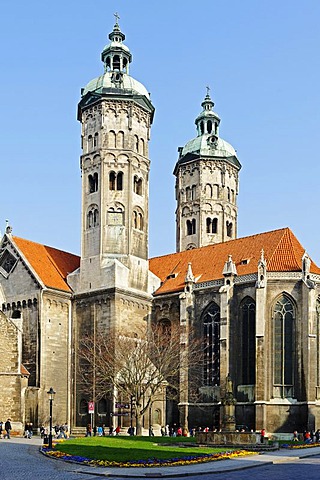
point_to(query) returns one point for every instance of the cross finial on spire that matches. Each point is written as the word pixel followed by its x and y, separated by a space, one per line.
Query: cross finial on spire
pixel 208 90
pixel 117 17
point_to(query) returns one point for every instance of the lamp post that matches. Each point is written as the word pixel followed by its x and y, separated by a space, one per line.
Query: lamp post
pixel 132 399
pixel 51 394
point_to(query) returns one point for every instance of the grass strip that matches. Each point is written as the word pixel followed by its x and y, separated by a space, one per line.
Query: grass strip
pixel 129 449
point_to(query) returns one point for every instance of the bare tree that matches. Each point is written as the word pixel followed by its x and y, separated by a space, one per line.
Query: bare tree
pixel 137 366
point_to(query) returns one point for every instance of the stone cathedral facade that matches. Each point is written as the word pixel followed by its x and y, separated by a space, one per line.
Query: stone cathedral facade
pixel 253 302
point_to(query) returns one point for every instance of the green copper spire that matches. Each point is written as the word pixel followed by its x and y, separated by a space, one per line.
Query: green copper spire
pixel 208 121
pixel 116 56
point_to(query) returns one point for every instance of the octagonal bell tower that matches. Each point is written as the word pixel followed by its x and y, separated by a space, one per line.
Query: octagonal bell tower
pixel 116 114
pixel 207 185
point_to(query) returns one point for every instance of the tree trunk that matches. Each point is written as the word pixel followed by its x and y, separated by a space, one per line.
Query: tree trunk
pixel 138 424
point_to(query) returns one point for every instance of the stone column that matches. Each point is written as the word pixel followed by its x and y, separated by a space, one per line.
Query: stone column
pixel 261 361
pixel 186 315
pixel 309 346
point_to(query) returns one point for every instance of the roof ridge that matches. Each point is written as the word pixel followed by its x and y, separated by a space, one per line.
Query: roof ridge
pixel 269 260
pixel 299 263
pixel 44 245
pixel 228 241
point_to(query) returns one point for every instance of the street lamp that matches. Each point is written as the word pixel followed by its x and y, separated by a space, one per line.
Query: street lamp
pixel 51 394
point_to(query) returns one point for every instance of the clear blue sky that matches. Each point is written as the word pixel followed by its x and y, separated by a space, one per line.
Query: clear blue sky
pixel 260 57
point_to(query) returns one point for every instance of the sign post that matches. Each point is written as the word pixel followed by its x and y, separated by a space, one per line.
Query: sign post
pixel 91 411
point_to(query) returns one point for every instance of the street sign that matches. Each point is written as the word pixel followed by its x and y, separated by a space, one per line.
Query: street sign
pixel 119 414
pixel 90 407
pixel 122 405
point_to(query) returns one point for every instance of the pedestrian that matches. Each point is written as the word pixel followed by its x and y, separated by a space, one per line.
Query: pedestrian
pixel 62 433
pixel 56 431
pixel 179 432
pixel 262 435
pixel 89 430
pixel 118 430
pixel 307 437
pixel 8 428
pixel 1 431
pixel 295 436
pixel 99 431
pixel 167 431
pixel 163 432
pixel 66 430
pixel 151 433
pixel 110 431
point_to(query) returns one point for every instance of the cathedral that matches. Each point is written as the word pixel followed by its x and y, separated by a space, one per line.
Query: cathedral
pixel 252 302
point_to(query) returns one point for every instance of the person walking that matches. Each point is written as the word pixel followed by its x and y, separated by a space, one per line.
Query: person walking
pixel 8 428
pixel 262 435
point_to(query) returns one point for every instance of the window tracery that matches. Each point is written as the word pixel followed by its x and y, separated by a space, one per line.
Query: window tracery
pixel 211 345
pixel 283 348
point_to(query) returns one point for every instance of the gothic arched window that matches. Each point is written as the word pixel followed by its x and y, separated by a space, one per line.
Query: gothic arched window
pixel 137 185
pixel 248 341
pixel 136 143
pixel 283 346
pixel 137 220
pixel 96 140
pixel 120 181
pixel 102 406
pixel 93 183
pixel 93 216
pixel 112 181
pixel 211 345
pixel 142 147
pixel 229 229
pixel 90 144
pixel 83 407
pixel 116 181
pixel 212 225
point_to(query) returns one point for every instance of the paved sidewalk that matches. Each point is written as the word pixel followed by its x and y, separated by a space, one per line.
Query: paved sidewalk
pixel 220 466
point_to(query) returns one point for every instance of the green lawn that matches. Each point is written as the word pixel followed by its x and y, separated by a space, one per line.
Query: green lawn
pixel 121 449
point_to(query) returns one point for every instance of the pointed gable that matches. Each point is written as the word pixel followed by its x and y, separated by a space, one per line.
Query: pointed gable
pixel 51 265
pixel 282 251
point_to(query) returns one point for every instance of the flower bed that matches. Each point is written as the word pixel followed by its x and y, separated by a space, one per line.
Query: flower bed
pixel 300 445
pixel 151 462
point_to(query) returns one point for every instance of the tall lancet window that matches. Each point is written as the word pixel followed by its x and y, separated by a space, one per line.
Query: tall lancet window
pixel 283 348
pixel 248 341
pixel 211 345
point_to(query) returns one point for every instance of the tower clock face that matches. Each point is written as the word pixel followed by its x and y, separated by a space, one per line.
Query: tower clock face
pixel 213 140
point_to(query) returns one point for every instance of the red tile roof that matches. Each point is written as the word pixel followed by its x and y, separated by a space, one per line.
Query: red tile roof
pixel 282 252
pixel 51 265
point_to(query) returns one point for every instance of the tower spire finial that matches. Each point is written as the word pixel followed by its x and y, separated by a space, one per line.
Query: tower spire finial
pixel 117 17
